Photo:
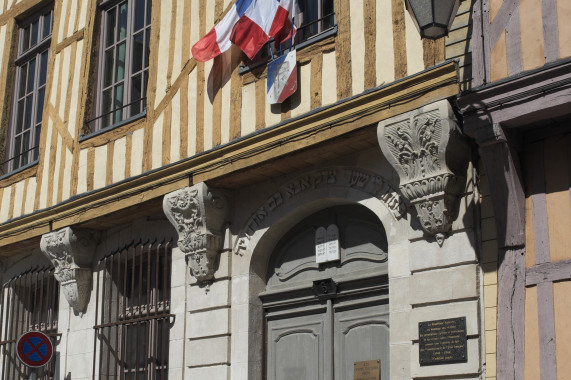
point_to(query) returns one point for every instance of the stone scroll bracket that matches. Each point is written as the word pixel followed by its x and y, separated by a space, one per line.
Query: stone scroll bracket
pixel 430 155
pixel 199 215
pixel 71 253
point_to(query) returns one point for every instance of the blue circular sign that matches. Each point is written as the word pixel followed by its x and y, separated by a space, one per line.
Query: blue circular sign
pixel 34 349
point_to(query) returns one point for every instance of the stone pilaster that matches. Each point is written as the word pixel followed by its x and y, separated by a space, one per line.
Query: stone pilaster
pixel 430 155
pixel 71 253
pixel 198 213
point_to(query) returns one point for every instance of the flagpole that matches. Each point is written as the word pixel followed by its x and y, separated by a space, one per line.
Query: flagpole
pixel 291 32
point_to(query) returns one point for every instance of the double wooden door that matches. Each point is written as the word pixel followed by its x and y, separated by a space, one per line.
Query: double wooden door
pixel 319 335
pixel 325 340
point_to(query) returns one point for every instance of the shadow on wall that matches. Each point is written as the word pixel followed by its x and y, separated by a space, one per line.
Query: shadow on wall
pixel 222 68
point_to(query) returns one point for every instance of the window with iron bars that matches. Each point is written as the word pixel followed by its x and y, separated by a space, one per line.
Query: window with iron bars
pixel 123 68
pixel 29 302
pixel 133 313
pixel 315 21
pixel 34 37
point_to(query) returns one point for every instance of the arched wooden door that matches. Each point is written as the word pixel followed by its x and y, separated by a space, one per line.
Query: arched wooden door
pixel 322 319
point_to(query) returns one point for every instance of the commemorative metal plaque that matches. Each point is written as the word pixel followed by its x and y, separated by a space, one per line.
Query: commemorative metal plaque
pixel 367 370
pixel 443 341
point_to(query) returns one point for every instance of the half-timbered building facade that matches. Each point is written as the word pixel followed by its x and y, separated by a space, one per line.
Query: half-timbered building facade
pixel 160 219
pixel 518 113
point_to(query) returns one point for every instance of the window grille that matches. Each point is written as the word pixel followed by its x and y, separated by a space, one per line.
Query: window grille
pixel 34 37
pixel 133 313
pixel 123 68
pixel 29 302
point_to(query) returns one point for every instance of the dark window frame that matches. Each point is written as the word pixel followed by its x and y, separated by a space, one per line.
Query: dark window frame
pixel 22 144
pixel 119 74
pixel 324 20
pixel 325 26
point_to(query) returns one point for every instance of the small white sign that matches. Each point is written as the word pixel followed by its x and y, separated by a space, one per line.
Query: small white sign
pixel 333 243
pixel 327 244
pixel 321 245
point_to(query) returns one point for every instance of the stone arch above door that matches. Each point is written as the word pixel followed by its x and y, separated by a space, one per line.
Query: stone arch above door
pixel 281 209
pixel 316 190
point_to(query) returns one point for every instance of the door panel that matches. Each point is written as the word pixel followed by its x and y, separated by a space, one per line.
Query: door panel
pixel 297 348
pixel 361 334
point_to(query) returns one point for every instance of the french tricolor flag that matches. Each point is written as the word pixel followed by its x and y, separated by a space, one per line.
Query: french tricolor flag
pixel 248 24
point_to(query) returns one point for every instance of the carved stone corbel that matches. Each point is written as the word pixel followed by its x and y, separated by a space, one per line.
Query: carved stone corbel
pixel 71 253
pixel 198 213
pixel 429 154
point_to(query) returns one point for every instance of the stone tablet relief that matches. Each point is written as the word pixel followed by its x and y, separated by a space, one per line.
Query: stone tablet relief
pixel 327 244
pixel 320 245
pixel 443 341
pixel 332 245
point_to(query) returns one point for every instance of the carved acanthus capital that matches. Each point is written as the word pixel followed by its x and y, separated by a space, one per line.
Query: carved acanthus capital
pixel 426 149
pixel 71 253
pixel 198 213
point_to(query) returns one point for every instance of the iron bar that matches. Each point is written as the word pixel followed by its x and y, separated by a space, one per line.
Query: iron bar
pixel 88 122
pixel 25 309
pixel 137 313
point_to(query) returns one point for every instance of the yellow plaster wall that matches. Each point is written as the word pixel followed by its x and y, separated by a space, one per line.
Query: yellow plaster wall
pixel 563 12
pixel 82 172
pixel 99 175
pixel 562 303
pixel 5 204
pixel 157 147
pixel 532 37
pixel 192 104
pixel 414 48
pixel 209 108
pixel 137 153
pixel 329 72
pixel 175 140
pixel 304 92
pixel 18 198
pixel 30 195
pixel 385 61
pixel 357 46
pixel 531 335
pixel 120 152
pixel 489 265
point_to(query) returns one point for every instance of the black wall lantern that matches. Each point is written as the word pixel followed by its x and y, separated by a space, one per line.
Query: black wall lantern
pixel 433 18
